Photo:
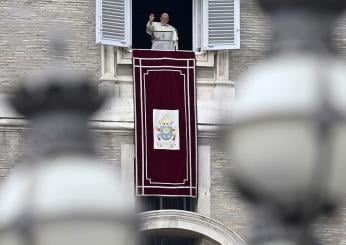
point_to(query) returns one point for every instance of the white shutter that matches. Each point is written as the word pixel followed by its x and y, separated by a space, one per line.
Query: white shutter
pixel 113 22
pixel 221 21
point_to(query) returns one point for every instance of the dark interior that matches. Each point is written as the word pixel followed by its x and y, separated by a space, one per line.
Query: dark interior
pixel 180 12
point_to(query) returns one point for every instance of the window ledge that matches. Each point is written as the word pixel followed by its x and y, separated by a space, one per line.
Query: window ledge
pixel 204 59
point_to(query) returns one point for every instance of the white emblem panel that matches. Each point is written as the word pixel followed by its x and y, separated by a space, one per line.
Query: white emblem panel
pixel 166 129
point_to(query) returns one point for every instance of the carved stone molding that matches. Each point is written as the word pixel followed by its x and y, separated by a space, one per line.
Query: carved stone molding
pixel 117 115
pixel 113 56
pixel 222 67
pixel 189 223
pixel 204 180
pixel 121 128
pixel 108 64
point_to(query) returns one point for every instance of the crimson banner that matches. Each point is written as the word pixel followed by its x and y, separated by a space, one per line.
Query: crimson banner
pixel 165 123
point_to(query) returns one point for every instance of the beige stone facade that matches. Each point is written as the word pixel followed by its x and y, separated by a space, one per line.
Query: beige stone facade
pixel 24 50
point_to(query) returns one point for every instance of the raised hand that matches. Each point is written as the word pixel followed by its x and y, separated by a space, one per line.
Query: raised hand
pixel 151 18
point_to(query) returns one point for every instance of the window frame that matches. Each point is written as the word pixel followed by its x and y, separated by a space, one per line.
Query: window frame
pixel 200 18
pixel 197 23
pixel 197 19
pixel 204 59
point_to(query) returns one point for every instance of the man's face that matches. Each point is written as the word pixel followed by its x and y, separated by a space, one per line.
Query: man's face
pixel 164 19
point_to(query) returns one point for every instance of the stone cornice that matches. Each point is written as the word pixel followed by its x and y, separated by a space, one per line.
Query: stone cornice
pixel 120 128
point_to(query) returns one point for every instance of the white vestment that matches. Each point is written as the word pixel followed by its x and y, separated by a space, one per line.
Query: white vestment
pixel 164 37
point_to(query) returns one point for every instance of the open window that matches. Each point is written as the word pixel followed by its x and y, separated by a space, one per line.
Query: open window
pixel 180 18
pixel 212 25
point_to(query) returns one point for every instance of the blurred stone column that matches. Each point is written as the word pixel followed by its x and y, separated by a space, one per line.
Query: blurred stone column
pixel 289 124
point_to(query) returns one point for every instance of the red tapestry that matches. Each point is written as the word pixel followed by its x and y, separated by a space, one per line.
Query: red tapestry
pixel 165 123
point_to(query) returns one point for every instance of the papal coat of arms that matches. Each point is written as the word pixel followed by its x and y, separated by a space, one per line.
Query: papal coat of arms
pixel 166 129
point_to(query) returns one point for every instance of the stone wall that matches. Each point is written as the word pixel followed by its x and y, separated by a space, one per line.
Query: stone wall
pixel 226 203
pixel 256 33
pixel 255 44
pixel 24 31
pixel 255 36
pixel 13 149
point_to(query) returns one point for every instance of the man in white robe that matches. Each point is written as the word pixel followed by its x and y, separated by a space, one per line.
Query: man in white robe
pixel 163 35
